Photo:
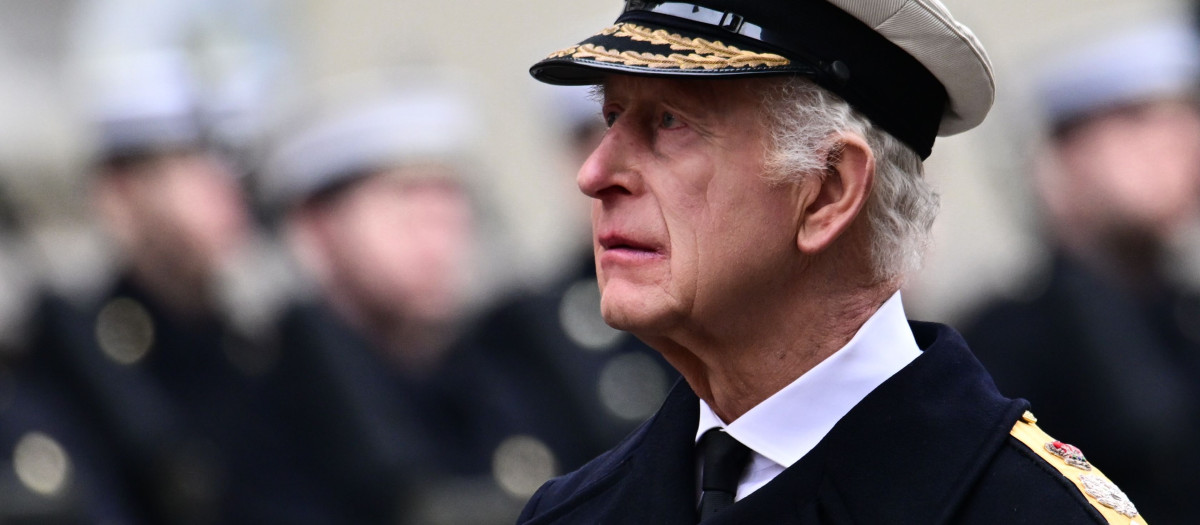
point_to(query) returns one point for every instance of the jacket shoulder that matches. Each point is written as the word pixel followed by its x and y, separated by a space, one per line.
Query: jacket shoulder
pixel 1034 478
pixel 1099 491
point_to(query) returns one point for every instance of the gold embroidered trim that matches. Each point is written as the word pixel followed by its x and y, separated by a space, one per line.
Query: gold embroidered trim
pixel 703 54
pixel 1096 487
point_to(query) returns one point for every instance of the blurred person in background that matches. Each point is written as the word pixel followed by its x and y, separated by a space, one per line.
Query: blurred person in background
pixel 179 394
pixel 591 384
pixel 54 468
pixel 376 190
pixel 1107 346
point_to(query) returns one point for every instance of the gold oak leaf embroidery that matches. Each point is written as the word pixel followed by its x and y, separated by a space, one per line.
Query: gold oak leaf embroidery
pixel 705 54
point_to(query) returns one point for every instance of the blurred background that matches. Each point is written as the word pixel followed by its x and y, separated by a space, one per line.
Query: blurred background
pixel 252 250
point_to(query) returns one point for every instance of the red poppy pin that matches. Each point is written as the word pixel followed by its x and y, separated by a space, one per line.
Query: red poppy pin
pixel 1069 454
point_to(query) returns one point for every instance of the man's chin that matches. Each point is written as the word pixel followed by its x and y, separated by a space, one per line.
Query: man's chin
pixel 639 315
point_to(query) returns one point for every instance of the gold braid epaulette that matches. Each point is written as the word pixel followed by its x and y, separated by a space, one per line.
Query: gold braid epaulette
pixel 1101 492
pixel 704 54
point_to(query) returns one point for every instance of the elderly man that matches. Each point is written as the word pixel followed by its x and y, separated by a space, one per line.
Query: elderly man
pixel 758 202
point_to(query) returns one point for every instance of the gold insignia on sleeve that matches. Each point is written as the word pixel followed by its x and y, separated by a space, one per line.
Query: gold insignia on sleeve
pixel 1101 492
pixel 702 54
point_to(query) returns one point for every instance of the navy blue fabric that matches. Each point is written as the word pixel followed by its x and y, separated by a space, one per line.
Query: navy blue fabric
pixel 195 439
pixel 930 445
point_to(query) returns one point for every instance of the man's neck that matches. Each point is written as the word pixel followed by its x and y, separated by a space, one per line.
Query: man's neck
pixel 735 374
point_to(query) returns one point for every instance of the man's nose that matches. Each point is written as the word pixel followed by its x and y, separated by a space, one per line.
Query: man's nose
pixel 609 170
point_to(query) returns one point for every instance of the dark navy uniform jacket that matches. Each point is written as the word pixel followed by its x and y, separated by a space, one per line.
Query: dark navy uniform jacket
pixel 930 445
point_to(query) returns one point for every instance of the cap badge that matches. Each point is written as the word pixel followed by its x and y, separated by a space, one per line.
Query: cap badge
pixel 1108 495
pixel 1070 454
pixel 703 54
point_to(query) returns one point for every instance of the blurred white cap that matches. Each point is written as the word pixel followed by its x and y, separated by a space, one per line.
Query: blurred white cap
pixel 1154 61
pixel 575 106
pixel 413 121
pixel 144 101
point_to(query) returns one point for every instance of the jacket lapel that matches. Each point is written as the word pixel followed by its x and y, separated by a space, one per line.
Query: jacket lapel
pixel 662 476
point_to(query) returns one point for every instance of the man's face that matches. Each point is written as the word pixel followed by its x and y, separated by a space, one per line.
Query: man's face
pixel 403 241
pixel 686 231
pixel 1134 169
pixel 183 211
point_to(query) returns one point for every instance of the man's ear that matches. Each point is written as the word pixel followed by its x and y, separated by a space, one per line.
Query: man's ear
pixel 839 196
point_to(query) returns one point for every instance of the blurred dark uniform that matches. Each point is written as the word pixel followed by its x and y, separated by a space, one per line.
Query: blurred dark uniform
pixel 391 442
pixel 197 433
pixel 54 465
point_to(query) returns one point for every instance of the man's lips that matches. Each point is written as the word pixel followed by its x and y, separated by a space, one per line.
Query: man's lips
pixel 615 242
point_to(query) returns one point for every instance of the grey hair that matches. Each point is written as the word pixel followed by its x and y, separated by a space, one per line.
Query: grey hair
pixel 804 121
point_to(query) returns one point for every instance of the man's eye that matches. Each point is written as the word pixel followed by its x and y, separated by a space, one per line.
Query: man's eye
pixel 610 117
pixel 669 121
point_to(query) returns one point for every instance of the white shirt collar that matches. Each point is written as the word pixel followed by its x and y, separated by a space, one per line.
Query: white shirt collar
pixel 787 425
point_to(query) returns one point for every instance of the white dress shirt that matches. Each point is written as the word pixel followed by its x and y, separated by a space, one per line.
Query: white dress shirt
pixel 786 426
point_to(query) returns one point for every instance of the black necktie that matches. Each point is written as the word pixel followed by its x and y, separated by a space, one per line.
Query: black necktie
pixel 724 461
